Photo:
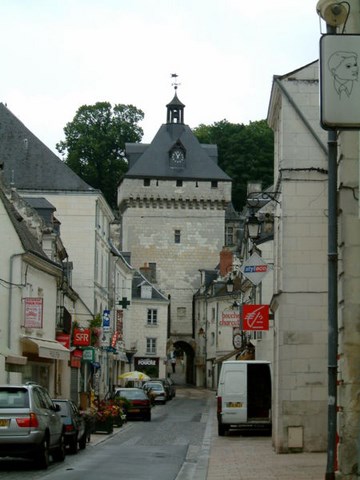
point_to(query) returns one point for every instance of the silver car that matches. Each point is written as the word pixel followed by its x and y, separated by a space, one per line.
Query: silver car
pixel 29 424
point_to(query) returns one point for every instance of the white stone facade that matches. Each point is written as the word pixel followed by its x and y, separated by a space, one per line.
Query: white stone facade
pixel 150 221
pixel 300 263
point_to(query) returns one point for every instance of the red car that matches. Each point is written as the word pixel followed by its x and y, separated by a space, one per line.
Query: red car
pixel 138 406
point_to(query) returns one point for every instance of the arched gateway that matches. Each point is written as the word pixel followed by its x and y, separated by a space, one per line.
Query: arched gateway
pixel 181 360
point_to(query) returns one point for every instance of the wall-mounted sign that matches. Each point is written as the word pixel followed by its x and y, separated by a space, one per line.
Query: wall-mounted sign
pixel 339 81
pixel 230 319
pixel 82 337
pixel 255 317
pixel 33 312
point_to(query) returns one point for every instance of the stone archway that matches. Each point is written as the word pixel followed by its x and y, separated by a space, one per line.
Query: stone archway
pixel 184 367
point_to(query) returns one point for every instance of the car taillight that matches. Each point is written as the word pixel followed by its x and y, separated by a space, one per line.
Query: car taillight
pixel 69 428
pixel 219 404
pixel 28 422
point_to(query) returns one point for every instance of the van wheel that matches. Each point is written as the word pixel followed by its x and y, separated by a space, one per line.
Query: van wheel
pixel 221 429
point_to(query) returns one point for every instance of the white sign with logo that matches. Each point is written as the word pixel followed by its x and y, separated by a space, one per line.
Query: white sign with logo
pixel 255 268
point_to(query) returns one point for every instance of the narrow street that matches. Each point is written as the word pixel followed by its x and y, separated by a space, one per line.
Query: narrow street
pixel 180 443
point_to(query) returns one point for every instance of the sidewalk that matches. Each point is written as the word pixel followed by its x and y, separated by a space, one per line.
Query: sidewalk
pixel 235 457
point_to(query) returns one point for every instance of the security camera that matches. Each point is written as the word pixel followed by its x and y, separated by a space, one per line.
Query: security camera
pixel 334 13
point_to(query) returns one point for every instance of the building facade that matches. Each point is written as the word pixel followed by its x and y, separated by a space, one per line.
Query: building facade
pixel 299 300
pixel 172 203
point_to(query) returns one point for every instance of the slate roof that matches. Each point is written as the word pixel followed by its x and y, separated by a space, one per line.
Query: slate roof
pixel 152 160
pixel 138 280
pixel 28 240
pixel 28 163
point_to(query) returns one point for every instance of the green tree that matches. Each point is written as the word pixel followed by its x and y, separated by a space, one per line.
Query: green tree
pixel 94 144
pixel 246 153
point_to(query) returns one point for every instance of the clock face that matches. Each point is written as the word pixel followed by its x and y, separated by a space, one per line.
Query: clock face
pixel 177 157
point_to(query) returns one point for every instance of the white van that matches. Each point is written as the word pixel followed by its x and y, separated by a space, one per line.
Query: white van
pixel 244 396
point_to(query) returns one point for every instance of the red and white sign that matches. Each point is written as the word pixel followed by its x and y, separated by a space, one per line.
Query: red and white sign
pixel 33 312
pixel 82 337
pixel 255 317
pixel 64 339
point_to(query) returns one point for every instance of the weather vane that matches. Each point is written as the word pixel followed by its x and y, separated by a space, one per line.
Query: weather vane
pixel 175 83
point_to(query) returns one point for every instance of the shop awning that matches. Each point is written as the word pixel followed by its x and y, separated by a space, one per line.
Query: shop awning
pixel 227 356
pixel 11 357
pixel 47 348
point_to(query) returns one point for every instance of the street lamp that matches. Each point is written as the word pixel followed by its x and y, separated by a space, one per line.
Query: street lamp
pixel 253 226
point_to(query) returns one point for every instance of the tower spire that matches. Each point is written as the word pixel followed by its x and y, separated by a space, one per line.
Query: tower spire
pixel 175 83
pixel 175 109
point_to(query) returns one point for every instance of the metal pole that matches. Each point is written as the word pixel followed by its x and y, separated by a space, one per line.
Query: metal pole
pixel 332 305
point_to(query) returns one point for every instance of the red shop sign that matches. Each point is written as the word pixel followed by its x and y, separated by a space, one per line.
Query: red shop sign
pixel 81 337
pixel 255 317
pixel 64 339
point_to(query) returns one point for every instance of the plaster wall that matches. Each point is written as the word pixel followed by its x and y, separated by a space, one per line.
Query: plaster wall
pixel 139 331
pixel 85 232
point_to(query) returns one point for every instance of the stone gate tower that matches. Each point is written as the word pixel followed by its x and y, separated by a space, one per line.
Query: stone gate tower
pixel 172 204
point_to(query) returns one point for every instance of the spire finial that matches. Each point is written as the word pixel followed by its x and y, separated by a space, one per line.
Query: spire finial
pixel 175 83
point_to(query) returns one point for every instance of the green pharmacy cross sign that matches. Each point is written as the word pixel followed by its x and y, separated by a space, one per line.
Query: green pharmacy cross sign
pixel 124 302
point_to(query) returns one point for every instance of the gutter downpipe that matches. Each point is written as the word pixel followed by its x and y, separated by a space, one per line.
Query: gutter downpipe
pixel 9 329
pixel 332 300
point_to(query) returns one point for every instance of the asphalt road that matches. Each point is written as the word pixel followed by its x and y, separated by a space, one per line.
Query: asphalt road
pixel 167 448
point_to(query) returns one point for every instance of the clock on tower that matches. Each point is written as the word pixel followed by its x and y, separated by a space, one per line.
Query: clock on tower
pixel 177 158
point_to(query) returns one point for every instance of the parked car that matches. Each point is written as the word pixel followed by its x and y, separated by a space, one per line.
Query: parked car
pixel 172 387
pixel 138 404
pixel 74 424
pixel 156 389
pixel 30 426
pixel 168 385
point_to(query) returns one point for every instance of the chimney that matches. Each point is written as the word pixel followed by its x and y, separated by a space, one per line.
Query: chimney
pixel 226 261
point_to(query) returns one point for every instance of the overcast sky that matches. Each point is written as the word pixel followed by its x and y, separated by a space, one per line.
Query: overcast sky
pixel 57 55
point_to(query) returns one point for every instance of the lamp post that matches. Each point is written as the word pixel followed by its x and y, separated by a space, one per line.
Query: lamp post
pixel 334 14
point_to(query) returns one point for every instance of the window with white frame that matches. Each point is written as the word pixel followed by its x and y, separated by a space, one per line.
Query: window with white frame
pixel 152 316
pixel 151 346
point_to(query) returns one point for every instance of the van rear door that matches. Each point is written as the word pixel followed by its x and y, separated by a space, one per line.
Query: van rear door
pixel 234 394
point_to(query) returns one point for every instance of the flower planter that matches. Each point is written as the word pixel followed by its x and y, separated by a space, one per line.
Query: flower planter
pixel 105 425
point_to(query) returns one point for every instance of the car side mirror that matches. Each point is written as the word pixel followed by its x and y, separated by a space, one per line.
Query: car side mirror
pixel 57 407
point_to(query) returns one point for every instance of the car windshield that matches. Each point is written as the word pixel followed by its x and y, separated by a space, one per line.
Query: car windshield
pixel 14 397
pixel 155 386
pixel 131 394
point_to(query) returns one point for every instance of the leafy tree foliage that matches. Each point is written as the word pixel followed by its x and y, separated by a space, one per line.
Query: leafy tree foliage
pixel 246 153
pixel 94 144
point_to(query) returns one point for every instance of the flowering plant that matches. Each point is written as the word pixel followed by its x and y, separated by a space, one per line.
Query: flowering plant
pixel 108 409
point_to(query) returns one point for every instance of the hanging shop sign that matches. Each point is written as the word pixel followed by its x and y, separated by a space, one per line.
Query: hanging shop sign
pixel 255 268
pixel 64 339
pixel 82 337
pixel 255 317
pixel 88 354
pixel 106 320
pixel 339 81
